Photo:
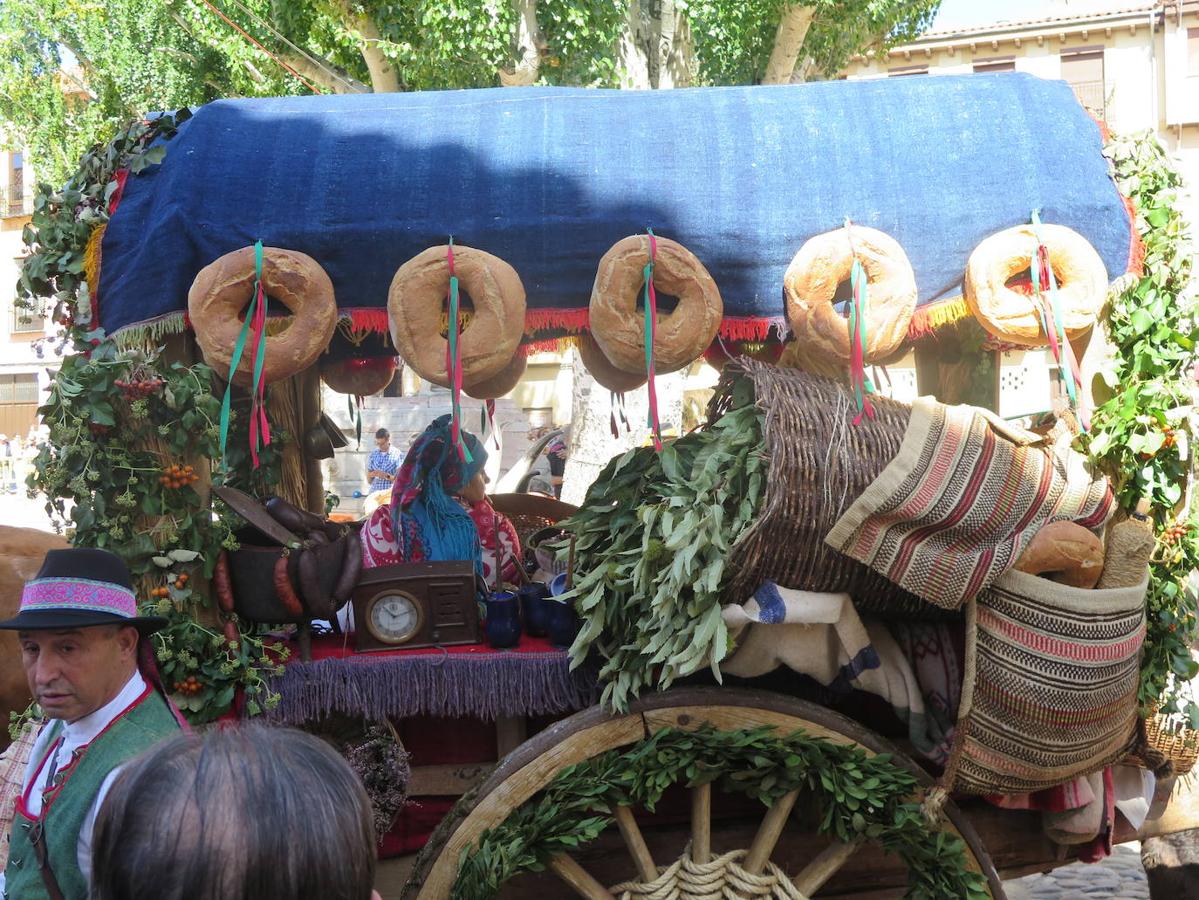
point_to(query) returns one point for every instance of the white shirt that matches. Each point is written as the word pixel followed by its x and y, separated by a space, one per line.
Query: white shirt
pixel 75 735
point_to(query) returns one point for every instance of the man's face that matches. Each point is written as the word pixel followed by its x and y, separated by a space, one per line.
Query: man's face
pixel 383 443
pixel 73 673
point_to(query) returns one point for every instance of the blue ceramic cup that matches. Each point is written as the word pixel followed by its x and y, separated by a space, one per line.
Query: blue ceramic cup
pixel 535 608
pixel 503 620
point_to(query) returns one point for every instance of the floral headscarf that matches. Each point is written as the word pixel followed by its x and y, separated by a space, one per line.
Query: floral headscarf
pixel 432 472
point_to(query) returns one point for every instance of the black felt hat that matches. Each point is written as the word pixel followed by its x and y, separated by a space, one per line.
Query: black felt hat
pixel 78 588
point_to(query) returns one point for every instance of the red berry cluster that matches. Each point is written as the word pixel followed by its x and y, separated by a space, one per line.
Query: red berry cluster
pixel 189 686
pixel 1172 534
pixel 138 390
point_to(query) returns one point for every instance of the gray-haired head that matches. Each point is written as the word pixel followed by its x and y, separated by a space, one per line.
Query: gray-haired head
pixel 248 813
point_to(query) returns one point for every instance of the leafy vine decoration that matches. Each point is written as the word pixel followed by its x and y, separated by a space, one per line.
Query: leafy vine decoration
pixel 130 435
pixel 859 797
pixel 1141 432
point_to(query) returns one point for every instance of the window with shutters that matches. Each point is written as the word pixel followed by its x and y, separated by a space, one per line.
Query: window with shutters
pixel 1082 69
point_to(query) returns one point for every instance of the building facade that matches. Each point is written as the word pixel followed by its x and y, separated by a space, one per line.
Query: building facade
pixel 1133 65
pixel 24 378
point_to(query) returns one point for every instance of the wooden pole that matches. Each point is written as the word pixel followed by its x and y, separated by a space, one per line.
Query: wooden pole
pixel 701 823
pixel 578 878
pixel 768 834
pixel 634 840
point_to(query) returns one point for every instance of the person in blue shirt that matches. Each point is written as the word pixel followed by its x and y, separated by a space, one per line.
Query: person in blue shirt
pixel 383 463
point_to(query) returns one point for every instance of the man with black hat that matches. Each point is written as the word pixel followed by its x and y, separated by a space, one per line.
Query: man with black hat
pixel 90 667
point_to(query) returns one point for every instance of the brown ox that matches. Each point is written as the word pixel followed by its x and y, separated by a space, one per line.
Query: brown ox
pixel 21 553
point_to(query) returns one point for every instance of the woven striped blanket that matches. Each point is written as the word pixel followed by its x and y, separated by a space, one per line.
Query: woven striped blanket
pixel 961 500
pixel 1050 690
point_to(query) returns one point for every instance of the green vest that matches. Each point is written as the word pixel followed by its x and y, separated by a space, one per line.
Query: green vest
pixel 65 808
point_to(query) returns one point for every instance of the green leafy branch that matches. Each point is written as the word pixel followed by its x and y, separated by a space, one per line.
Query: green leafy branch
pixel 652 539
pixel 859 797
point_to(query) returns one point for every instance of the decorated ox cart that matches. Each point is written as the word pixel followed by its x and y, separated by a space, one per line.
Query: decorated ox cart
pixel 827 626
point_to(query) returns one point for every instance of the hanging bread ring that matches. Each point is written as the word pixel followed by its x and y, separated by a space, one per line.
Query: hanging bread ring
pixel 499 385
pixel 810 286
pixel 618 327
pixel 359 376
pixel 415 307
pixel 222 290
pixel 1012 316
pixel 605 374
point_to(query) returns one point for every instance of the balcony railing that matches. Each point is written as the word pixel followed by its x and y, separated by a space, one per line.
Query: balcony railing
pixel 1090 95
pixel 16 201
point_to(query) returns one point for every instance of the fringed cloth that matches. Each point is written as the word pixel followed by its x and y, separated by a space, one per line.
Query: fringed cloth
pixel 962 499
pixel 533 679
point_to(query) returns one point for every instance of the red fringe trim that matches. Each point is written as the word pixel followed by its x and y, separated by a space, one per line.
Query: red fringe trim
pixel 747 328
pixel 572 320
pixel 547 345
pixel 372 321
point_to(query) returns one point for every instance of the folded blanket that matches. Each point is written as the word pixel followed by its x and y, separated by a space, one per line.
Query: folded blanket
pixel 961 500
pixel 822 636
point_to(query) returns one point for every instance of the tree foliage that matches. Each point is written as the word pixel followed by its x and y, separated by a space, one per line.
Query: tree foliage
pixel 140 56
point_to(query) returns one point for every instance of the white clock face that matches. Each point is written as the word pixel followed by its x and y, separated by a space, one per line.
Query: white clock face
pixel 394 618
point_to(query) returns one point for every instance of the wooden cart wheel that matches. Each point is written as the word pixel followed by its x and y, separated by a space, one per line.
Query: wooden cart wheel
pixel 587 734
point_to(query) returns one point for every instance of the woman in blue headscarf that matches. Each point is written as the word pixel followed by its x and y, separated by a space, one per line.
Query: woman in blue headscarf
pixel 439 509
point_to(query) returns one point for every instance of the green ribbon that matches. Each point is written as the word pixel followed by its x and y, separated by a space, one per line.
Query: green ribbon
pixel 238 349
pixel 1059 325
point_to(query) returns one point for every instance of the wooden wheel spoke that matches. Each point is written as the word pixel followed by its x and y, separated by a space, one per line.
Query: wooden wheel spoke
pixel 823 867
pixel 635 842
pixel 701 823
pixel 768 834
pixel 578 879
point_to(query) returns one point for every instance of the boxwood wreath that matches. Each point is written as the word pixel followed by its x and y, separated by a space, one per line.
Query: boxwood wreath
pixel 131 435
pixel 860 797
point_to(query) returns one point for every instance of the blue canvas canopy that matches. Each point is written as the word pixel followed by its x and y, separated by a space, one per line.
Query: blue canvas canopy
pixel 550 178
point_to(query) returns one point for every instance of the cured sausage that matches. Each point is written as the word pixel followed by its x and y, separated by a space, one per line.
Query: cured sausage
pixel 283 589
pixel 222 582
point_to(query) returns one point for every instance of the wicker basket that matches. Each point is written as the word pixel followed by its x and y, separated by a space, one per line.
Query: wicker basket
pixel 1174 741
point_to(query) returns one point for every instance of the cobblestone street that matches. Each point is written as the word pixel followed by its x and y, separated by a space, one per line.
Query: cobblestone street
pixel 1119 877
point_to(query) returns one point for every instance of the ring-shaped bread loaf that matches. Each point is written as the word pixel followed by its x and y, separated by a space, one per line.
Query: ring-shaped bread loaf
pixel 416 307
pixel 1064 552
pixel 221 292
pixel 605 374
pixel 499 385
pixel 1012 316
pixel 359 376
pixel 683 334
pixel 810 287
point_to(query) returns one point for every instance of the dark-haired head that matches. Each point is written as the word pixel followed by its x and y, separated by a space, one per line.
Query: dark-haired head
pixel 249 813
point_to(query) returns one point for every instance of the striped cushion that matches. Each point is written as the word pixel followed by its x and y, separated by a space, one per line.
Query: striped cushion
pixel 1051 683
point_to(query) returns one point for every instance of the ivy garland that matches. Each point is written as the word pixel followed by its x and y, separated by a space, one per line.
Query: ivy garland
pixel 1140 435
pixel 123 425
pixel 860 797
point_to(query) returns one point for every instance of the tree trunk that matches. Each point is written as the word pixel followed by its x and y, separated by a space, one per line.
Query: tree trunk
pixel 529 45
pixel 384 79
pixel 674 46
pixel 331 78
pixel 591 440
pixel 788 40
pixel 634 47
